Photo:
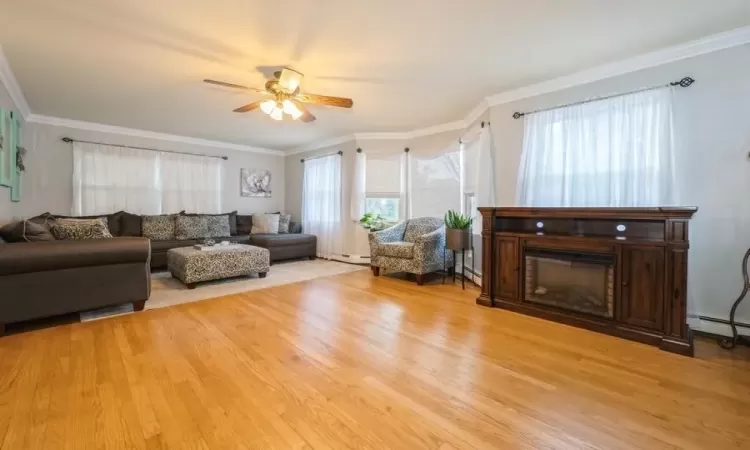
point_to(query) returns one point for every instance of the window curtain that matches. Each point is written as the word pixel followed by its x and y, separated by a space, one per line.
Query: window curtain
pixel 434 181
pixel 321 203
pixel 357 202
pixel 190 183
pixel 109 178
pixel 478 171
pixel 614 152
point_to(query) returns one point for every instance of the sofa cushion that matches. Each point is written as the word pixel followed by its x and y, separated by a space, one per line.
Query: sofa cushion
pixel 25 231
pixel 265 224
pixel 244 224
pixel 280 240
pixel 130 224
pixel 111 220
pixel 190 227
pixel 218 226
pixel 232 217
pixel 80 229
pixel 159 228
pixel 396 249
pixel 163 246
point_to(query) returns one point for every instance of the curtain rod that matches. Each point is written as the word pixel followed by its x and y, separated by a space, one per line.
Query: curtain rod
pixel 321 156
pixel 69 140
pixel 685 82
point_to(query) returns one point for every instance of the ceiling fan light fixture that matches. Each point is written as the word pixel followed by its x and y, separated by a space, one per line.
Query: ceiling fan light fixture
pixel 290 79
pixel 268 106
pixel 277 114
pixel 291 109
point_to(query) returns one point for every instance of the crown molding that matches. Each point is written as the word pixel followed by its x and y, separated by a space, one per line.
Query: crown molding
pixel 721 41
pixel 709 44
pixel 322 144
pixel 8 79
pixel 93 126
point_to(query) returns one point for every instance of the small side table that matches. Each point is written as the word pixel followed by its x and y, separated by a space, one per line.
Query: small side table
pixel 460 248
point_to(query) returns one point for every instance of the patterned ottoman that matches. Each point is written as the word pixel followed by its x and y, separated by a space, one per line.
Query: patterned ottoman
pixel 191 265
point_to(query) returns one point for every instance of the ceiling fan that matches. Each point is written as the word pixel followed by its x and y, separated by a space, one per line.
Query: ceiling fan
pixel 287 98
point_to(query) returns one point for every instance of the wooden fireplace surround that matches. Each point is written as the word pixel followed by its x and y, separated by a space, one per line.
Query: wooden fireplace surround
pixel 650 302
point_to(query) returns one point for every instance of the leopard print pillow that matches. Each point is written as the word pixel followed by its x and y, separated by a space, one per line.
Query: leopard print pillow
pixel 159 228
pixel 218 226
pixel 191 227
pixel 80 229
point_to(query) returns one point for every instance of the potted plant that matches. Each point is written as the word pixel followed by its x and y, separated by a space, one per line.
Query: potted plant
pixel 372 222
pixel 457 231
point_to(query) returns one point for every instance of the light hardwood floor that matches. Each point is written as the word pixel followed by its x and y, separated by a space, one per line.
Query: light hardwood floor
pixel 354 361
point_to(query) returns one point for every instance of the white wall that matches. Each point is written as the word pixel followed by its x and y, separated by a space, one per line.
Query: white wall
pixel 712 132
pixel 7 207
pixel 47 182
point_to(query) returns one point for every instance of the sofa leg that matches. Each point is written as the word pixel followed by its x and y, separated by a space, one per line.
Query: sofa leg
pixel 313 258
pixel 190 285
pixel 262 274
pixel 376 271
pixel 2 329
pixel 139 305
pixel 420 279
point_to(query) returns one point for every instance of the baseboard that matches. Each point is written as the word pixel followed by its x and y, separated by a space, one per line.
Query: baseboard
pixel 714 326
pixel 352 259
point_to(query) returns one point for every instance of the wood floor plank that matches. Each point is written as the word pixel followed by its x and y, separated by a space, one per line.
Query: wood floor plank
pixel 356 361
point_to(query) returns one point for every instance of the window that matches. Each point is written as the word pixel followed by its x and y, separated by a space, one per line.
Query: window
pixel 611 152
pixel 435 182
pixel 384 185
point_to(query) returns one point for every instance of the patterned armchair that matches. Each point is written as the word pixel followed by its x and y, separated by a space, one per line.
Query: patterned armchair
pixel 416 246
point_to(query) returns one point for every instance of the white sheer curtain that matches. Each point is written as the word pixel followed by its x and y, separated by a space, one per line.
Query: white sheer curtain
pixel 321 203
pixel 478 173
pixel 191 183
pixel 612 152
pixel 435 181
pixel 108 178
pixel 357 201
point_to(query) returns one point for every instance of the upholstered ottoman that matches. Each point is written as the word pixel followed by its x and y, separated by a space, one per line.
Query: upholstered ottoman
pixel 191 265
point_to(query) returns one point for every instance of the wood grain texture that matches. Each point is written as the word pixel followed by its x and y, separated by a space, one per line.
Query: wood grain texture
pixel 357 361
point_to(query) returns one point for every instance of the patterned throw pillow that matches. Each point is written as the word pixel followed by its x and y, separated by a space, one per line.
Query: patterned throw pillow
pixel 244 224
pixel 158 228
pixel 190 227
pixel 218 226
pixel 284 221
pixel 265 224
pixel 80 229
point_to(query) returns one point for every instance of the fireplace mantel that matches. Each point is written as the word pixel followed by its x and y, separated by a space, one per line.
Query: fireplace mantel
pixel 649 249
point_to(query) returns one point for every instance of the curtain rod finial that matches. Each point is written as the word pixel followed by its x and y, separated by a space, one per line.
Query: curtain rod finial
pixel 518 115
pixel 67 139
pixel 359 150
pixel 302 160
pixel 406 149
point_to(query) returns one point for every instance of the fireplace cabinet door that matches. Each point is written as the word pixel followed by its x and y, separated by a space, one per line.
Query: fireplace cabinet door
pixel 642 286
pixel 507 268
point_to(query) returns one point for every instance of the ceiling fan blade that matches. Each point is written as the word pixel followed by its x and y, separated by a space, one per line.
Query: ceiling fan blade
pixel 234 86
pixel 248 107
pixel 306 114
pixel 326 100
pixel 290 79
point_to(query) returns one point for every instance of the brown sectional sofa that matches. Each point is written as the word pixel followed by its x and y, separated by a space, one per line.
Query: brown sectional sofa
pixel 41 279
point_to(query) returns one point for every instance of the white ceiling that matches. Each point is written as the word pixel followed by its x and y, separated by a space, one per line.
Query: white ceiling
pixel 407 64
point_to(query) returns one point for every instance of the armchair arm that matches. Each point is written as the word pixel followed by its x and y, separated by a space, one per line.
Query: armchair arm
pixel 392 234
pixel 429 248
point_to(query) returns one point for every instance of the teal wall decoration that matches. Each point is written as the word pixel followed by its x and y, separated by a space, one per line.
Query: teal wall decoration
pixel 10 140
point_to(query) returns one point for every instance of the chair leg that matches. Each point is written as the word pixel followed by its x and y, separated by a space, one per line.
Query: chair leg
pixel 376 271
pixel 420 279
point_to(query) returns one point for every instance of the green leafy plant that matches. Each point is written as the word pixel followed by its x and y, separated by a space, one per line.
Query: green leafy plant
pixel 457 221
pixel 370 220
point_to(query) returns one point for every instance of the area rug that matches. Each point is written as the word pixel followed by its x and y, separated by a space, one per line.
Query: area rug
pixel 167 291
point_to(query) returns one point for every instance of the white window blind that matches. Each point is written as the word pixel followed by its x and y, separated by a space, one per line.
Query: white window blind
pixel 385 185
pixel 435 181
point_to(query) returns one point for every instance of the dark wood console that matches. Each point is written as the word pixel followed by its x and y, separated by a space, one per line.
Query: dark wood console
pixel 620 271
